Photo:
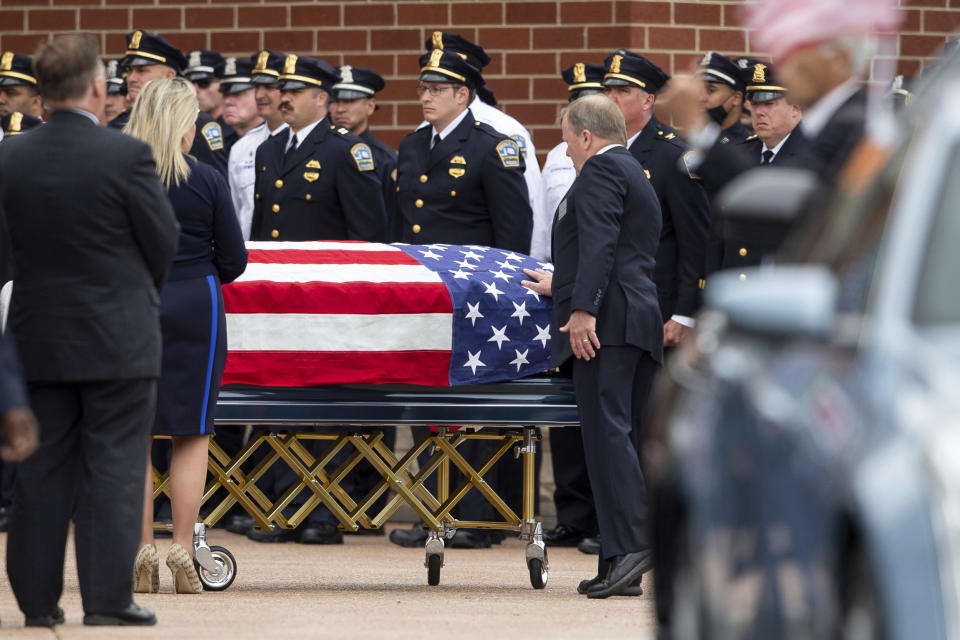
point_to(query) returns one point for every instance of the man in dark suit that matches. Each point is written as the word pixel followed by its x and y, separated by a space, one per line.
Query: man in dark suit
pixel 84 316
pixel 319 181
pixel 607 316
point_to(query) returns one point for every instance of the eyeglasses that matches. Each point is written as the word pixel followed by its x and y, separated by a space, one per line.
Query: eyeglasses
pixel 203 84
pixel 434 90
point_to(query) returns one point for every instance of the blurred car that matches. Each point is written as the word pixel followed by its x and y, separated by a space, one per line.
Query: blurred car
pixel 804 452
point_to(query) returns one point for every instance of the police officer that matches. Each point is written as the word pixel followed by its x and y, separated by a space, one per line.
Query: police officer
pixel 149 56
pixel 239 112
pixel 353 101
pixel 320 181
pixel 459 181
pixel 18 86
pixel 723 95
pixel 202 71
pixel 241 165
pixel 483 108
pixel 116 90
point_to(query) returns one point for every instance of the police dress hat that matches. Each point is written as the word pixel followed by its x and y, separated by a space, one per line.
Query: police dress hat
pixel 267 65
pixel 761 85
pixel 15 123
pixel 145 48
pixel 719 68
pixel 625 68
pixel 475 56
pixel 300 72
pixel 354 83
pixel 582 79
pixel 449 66
pixel 115 81
pixel 202 65
pixel 235 75
pixel 16 69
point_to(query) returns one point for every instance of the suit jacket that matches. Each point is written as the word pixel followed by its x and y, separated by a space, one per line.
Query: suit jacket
pixel 327 190
pixel 469 189
pixel 686 219
pixel 93 237
pixel 605 237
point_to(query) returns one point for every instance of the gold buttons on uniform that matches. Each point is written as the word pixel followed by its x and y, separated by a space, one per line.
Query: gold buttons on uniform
pixel 418 204
pixel 275 208
pixel 743 276
pixel 453 193
pixel 743 251
pixel 278 184
pixel 309 196
pixel 423 177
pixel 274 234
pixel 256 196
pixel 416 228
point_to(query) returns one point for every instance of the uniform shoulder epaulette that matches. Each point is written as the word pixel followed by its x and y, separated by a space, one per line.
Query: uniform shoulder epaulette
pixel 667 134
pixel 483 126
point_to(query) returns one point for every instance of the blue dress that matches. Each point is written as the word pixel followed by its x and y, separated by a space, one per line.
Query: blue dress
pixel 210 252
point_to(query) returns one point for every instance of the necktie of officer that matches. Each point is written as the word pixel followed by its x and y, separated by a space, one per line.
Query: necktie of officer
pixel 436 141
pixel 291 147
pixel 767 157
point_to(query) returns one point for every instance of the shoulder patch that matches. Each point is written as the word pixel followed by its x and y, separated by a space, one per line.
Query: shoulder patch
pixel 213 135
pixel 362 156
pixel 509 153
pixel 686 165
pixel 522 143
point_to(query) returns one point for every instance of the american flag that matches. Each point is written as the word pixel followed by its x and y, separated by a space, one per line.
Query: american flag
pixel 314 313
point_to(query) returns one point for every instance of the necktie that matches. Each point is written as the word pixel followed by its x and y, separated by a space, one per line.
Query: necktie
pixel 291 147
pixel 767 157
pixel 436 141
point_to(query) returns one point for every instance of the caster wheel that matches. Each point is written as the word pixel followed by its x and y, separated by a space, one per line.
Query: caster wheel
pixel 538 573
pixel 225 573
pixel 433 570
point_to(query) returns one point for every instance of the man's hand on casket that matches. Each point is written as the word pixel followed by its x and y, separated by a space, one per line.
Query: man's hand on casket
pixel 582 328
pixel 541 281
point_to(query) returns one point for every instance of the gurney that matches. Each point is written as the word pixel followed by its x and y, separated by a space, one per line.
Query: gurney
pixel 284 392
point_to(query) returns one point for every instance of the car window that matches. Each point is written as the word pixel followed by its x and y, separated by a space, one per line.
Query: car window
pixel 938 293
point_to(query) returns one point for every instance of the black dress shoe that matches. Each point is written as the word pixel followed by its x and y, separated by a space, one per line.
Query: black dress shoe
pixel 409 538
pixel 466 539
pixel 132 615
pixel 633 589
pixel 624 570
pixel 273 535
pixel 590 546
pixel 563 536
pixel 321 533
pixel 238 523
pixel 46 621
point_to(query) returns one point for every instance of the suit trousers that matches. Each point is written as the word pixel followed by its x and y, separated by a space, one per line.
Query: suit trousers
pixel 612 390
pixel 89 466
pixel 573 496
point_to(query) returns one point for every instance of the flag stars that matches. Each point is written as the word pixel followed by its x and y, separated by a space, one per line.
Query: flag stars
pixel 501 275
pixel 531 292
pixel 430 254
pixel 520 311
pixel 465 264
pixel 543 334
pixel 506 264
pixel 521 358
pixel 546 266
pixel 460 274
pixel 499 336
pixel 512 256
pixel 492 290
pixel 470 254
pixel 473 313
pixel 473 361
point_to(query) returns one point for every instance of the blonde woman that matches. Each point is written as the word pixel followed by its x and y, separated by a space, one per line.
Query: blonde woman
pixel 210 252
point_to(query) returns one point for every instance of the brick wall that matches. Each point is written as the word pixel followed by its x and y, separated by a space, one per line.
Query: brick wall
pixel 529 41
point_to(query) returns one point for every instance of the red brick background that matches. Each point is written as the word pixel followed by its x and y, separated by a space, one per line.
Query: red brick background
pixel 529 41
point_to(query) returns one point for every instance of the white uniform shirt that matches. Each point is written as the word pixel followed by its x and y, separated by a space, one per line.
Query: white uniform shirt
pixel 558 175
pixel 242 173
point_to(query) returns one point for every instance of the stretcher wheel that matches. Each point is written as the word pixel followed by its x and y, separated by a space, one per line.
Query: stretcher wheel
pixel 225 573
pixel 538 573
pixel 433 570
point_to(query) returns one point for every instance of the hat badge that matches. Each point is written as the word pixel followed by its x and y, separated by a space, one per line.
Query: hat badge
pixel 230 69
pixel 194 59
pixel 435 57
pixel 15 119
pixel 6 63
pixel 346 73
pixel 112 69
pixel 262 60
pixel 615 64
pixel 579 73
pixel 707 57
pixel 290 64
pixel 758 73
pixel 135 39
pixel 438 39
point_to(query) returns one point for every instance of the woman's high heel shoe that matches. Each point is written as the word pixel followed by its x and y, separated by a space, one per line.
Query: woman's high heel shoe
pixel 185 578
pixel 146 570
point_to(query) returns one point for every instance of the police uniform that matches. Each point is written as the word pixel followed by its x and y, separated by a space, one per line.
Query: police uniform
pixel 16 70
pixel 325 189
pixel 686 213
pixel 719 68
pixel 484 110
pixel 558 171
pixel 241 167
pixel 145 48
pixel 355 83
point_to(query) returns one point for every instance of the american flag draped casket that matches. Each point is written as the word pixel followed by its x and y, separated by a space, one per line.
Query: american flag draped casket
pixel 315 313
